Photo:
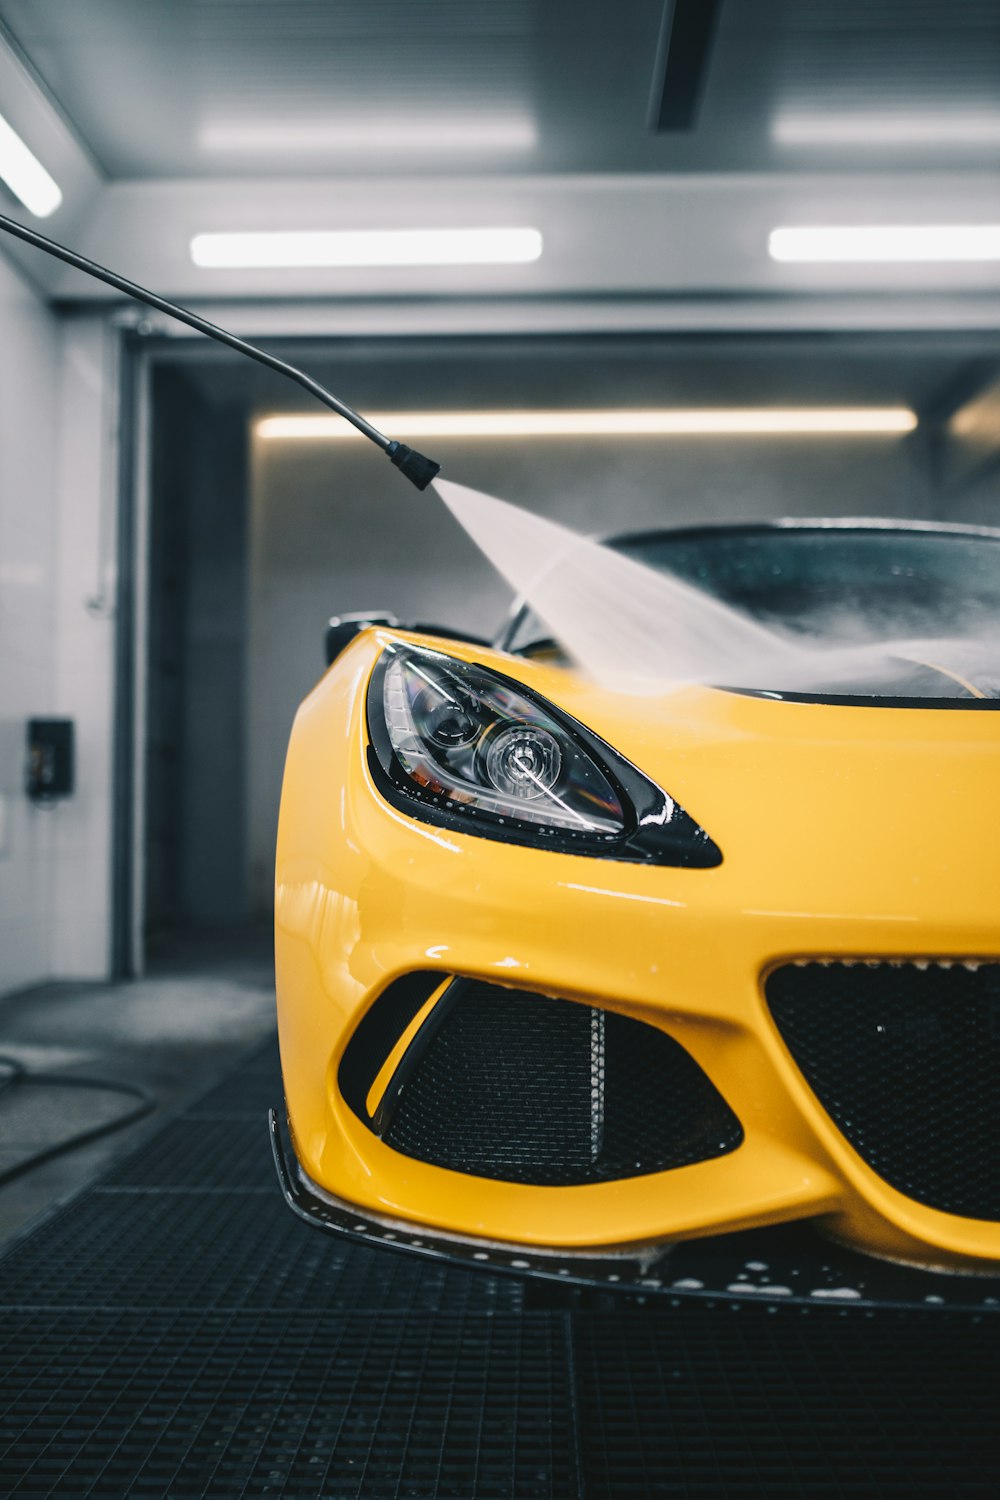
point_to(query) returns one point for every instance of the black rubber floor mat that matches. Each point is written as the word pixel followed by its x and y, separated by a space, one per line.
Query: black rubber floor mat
pixel 176 1332
pixel 745 1403
pixel 246 1095
pixel 223 1154
pixel 145 1249
pixel 243 1404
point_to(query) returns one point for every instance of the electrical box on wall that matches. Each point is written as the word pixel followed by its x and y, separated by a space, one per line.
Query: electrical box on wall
pixel 50 758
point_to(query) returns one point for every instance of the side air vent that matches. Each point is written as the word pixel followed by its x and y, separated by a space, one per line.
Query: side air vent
pixel 377 1033
pixel 525 1088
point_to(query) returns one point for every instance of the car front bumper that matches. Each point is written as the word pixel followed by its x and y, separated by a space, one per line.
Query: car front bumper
pixel 789 1264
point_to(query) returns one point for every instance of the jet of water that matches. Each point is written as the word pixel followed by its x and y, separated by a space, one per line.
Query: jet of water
pixel 628 626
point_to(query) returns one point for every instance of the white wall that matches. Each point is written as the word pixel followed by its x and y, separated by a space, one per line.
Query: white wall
pixel 29 364
pixel 56 636
pixel 84 609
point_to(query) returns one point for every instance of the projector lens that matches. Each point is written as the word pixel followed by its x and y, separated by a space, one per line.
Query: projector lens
pixel 522 761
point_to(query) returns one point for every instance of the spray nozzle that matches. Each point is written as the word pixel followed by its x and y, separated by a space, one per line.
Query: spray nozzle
pixel 418 469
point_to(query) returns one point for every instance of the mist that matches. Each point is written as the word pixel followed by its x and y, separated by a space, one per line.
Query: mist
pixel 635 629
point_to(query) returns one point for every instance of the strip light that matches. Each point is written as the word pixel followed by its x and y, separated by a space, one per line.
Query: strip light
pixel 887 129
pixel 449 134
pixel 367 247
pixel 25 176
pixel 889 242
pixel 732 422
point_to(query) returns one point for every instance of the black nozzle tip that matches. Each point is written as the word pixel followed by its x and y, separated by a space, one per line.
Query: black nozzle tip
pixel 418 469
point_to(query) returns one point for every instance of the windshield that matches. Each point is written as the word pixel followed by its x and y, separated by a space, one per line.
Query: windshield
pixel 844 586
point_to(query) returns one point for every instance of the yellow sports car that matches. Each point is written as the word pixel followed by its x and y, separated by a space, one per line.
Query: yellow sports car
pixel 567 977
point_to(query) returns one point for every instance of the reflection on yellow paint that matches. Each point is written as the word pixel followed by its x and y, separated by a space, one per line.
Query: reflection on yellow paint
pixel 323 917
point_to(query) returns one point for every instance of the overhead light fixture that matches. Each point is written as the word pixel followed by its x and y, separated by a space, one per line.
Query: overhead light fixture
pixel 24 174
pixel 886 242
pixel 809 128
pixel 367 247
pixel 450 135
pixel 668 422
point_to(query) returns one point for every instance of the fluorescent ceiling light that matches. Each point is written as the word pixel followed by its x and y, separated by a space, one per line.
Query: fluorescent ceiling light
pixel 663 423
pixel 368 247
pixel 889 242
pixel 25 176
pixel 452 135
pixel 887 129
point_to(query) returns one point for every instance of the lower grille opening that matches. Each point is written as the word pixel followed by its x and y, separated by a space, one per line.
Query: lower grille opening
pixel 525 1088
pixel 377 1033
pixel 905 1059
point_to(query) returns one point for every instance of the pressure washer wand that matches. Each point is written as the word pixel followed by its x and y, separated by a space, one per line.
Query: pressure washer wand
pixel 418 469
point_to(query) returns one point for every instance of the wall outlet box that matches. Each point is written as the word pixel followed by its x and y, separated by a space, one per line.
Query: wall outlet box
pixel 50 758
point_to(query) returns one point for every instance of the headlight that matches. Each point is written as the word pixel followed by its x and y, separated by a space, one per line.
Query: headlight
pixel 463 746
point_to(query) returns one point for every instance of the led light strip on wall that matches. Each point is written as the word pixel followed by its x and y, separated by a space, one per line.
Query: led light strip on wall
pixel 367 247
pixel 24 174
pixel 731 422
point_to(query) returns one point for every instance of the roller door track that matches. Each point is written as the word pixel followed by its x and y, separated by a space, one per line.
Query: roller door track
pixel 176 1331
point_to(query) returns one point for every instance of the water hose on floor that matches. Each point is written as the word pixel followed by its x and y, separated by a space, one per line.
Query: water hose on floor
pixel 17 1074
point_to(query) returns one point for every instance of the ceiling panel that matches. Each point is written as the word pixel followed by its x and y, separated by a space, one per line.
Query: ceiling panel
pixel 181 88
pixel 202 88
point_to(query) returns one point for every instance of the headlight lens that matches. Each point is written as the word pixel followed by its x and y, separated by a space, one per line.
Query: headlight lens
pixel 459 744
pixel 466 740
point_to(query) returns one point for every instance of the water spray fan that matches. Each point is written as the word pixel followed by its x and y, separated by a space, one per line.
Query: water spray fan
pixel 417 468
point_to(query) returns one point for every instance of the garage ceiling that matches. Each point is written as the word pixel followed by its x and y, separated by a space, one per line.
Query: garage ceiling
pixel 170 117
pixel 202 88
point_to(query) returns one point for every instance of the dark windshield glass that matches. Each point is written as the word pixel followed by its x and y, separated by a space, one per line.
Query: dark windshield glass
pixel 844 586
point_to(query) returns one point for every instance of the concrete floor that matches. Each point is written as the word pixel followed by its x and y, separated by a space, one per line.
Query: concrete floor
pixel 205 1000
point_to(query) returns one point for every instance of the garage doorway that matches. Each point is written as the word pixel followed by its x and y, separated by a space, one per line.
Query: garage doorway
pixel 254 543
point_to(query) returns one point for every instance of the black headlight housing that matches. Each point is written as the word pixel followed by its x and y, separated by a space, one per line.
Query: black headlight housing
pixel 462 746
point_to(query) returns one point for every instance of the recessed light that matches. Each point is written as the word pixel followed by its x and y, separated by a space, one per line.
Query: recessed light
pixel 367 247
pixel 887 128
pixel 676 422
pixel 886 242
pixel 24 174
pixel 449 135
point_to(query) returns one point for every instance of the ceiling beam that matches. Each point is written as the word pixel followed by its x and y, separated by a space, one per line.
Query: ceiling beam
pixel 682 62
pixel 640 236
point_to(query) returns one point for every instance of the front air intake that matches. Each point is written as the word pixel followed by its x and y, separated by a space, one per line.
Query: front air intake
pixel 905 1059
pixel 522 1087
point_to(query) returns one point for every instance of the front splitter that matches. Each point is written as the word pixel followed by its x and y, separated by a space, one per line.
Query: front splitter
pixel 790 1264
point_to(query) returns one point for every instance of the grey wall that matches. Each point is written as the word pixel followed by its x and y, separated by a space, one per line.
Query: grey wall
pixel 196 738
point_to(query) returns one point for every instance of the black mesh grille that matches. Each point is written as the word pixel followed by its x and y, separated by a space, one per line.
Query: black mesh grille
pixel 905 1057
pixel 525 1088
